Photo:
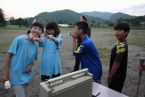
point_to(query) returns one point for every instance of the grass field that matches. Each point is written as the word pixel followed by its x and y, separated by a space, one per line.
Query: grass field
pixel 103 38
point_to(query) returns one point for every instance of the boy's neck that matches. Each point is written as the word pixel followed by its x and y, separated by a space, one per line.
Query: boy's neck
pixel 30 39
pixel 83 36
pixel 121 40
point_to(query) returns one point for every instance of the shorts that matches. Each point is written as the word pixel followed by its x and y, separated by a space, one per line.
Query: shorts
pixel 21 90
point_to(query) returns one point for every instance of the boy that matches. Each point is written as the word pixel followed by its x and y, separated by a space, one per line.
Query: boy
pixel 87 51
pixel 119 57
pixel 77 61
pixel 51 60
pixel 20 59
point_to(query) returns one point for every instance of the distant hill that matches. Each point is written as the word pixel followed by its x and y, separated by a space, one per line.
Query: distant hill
pixel 109 16
pixel 64 16
pixel 71 17
pixel 120 15
pixel 103 15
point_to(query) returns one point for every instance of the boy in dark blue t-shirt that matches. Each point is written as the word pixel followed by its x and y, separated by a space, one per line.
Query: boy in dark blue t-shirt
pixel 87 51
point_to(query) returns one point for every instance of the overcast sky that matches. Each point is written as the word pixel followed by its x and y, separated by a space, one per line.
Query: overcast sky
pixel 30 8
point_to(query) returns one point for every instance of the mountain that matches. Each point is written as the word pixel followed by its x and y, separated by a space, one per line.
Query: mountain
pixel 65 16
pixel 71 17
pixel 113 17
pixel 103 15
pixel 120 15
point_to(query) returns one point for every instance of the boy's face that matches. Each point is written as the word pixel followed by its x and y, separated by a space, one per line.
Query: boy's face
pixel 36 31
pixel 78 31
pixel 50 32
pixel 120 34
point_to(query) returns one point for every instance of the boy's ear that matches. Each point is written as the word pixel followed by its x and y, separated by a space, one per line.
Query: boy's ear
pixel 81 30
pixel 126 34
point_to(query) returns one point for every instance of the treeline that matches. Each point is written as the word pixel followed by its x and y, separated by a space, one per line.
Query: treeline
pixel 12 21
pixel 135 22
pixel 21 22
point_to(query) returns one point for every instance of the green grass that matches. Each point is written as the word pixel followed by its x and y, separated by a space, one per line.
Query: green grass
pixel 101 36
pixel 7 36
pixel 102 30
pixel 104 53
pixel 137 37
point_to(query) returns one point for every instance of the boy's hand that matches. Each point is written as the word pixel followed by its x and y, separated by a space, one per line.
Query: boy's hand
pixel 109 80
pixel 36 39
pixel 74 35
pixel 141 67
pixel 49 36
pixel 28 69
pixel 6 77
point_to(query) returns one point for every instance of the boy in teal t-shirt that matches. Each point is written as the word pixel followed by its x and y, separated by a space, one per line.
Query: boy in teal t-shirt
pixel 20 59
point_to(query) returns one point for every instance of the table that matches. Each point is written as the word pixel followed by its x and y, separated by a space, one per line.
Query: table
pixel 103 91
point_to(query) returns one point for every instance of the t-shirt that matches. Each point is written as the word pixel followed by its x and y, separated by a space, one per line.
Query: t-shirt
pixel 23 52
pixel 50 60
pixel 119 54
pixel 89 57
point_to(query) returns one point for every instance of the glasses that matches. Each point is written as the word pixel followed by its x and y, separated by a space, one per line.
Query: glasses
pixel 50 32
pixel 37 28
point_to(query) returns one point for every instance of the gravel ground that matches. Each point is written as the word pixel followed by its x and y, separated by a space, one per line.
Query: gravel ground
pixel 104 43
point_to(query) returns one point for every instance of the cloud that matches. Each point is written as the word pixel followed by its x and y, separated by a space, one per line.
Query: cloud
pixel 137 10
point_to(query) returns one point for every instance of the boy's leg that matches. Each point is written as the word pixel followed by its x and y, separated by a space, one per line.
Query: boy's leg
pixel 77 64
pixel 21 90
pixel 53 76
pixel 117 86
pixel 44 77
pixel 26 88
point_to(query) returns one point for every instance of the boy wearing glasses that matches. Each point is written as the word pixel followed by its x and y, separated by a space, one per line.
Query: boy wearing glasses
pixel 20 59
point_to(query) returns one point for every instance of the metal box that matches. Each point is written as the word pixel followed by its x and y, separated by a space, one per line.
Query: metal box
pixel 75 84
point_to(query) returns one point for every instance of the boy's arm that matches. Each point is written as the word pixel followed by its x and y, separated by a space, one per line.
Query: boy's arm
pixel 120 51
pixel 113 70
pixel 36 39
pixel 141 67
pixel 7 66
pixel 74 44
pixel 28 68
pixel 52 37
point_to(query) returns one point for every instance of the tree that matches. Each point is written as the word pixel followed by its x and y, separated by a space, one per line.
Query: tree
pixel 19 22
pixel 2 18
pixel 12 21
pixel 25 23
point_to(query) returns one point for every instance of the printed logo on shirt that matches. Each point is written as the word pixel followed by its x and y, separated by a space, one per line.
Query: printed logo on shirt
pixel 120 48
pixel 79 49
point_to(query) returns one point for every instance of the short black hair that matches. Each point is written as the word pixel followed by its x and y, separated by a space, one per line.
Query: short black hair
pixel 84 18
pixel 38 25
pixel 53 25
pixel 83 25
pixel 122 26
